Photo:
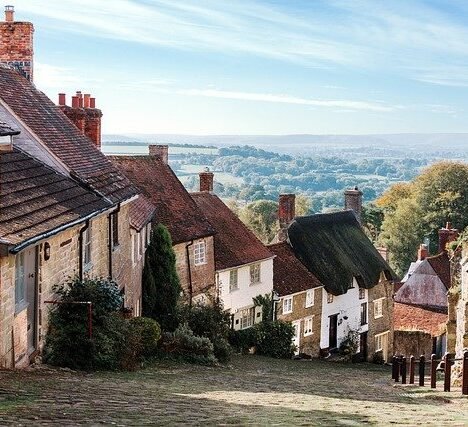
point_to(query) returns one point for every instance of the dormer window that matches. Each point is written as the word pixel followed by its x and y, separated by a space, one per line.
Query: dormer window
pixel 6 137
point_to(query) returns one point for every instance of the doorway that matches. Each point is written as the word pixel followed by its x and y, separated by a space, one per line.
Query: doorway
pixel 297 335
pixel 333 331
pixel 30 294
pixel 363 345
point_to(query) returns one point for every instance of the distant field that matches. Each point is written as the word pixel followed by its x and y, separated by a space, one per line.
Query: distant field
pixel 143 149
pixel 224 178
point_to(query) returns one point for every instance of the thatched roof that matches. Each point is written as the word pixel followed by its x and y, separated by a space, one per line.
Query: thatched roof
pixel 335 249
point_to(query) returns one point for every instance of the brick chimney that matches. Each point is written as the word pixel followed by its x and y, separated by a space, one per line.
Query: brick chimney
pixel 84 114
pixel 206 180
pixel 447 235
pixel 159 151
pixel 353 201
pixel 16 43
pixel 286 214
pixel 423 253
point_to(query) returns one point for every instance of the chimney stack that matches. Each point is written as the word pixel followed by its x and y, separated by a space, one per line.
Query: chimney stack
pixel 446 236
pixel 159 151
pixel 423 253
pixel 16 43
pixel 84 115
pixel 9 13
pixel 206 180
pixel 353 201
pixel 286 214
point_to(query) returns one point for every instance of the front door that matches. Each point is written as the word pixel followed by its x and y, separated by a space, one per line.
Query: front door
pixel 363 345
pixel 332 331
pixel 385 347
pixel 297 335
pixel 30 296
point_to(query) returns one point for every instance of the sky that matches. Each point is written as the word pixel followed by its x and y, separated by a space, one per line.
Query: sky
pixel 258 66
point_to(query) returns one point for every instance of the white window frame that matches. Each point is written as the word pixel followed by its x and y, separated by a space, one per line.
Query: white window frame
pixel 233 280
pixel 87 248
pixel 288 305
pixel 308 326
pixel 378 308
pixel 329 298
pixel 255 274
pixel 247 317
pixel 199 253
pixel 378 341
pixel 362 293
pixel 310 298
pixel 148 234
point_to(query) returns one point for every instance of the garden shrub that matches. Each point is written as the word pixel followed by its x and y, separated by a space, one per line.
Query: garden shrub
pixel 274 339
pixel 149 333
pixel 242 340
pixel 349 346
pixel 185 345
pixel 377 358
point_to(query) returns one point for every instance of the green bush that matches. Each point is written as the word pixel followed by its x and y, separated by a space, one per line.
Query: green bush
pixel 212 322
pixel 149 332
pixel 377 358
pixel 242 340
pixel 183 344
pixel 274 339
pixel 349 346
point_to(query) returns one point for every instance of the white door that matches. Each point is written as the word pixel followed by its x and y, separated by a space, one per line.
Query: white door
pixel 297 335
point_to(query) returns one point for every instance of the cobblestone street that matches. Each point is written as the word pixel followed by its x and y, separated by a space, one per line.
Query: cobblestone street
pixel 252 390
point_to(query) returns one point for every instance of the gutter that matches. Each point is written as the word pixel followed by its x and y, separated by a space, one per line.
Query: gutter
pixel 247 264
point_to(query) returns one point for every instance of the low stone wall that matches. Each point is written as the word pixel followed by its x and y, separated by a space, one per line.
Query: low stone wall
pixel 413 343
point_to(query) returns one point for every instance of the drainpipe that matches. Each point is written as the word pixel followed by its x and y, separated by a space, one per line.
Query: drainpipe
pixel 80 267
pixel 110 248
pixel 187 254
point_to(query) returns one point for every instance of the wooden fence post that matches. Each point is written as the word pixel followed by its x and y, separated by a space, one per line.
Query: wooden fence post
pixel 465 373
pixel 403 370
pixel 422 366
pixel 411 369
pixel 447 371
pixel 394 367
pixel 397 369
pixel 433 371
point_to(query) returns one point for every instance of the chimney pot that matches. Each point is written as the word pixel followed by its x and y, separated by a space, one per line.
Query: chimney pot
pixel 86 100
pixel 446 236
pixel 92 102
pixel 206 180
pixel 75 102
pixel 422 252
pixel 62 100
pixel 9 13
pixel 159 151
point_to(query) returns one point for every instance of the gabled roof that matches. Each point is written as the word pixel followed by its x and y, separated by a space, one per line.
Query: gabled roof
pixel 410 318
pixel 6 130
pixel 289 274
pixel 427 285
pixel 335 249
pixel 141 212
pixel 62 137
pixel 235 244
pixel 174 206
pixel 35 199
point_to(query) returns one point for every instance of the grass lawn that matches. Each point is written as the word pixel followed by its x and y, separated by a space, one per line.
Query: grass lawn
pixel 252 390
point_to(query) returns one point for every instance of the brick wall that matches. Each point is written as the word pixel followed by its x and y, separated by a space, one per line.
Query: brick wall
pixel 16 46
pixel 307 344
pixel 203 276
pixel 382 324
pixel 413 343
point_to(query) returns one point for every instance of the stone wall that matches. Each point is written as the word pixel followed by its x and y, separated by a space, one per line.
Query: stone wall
pixel 458 310
pixel 382 324
pixel 202 276
pixel 307 344
pixel 414 343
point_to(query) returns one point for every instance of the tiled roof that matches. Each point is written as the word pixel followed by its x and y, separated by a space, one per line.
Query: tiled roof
pixel 235 244
pixel 335 249
pixel 34 199
pixel 61 136
pixel 425 286
pixel 6 130
pixel 174 206
pixel 141 212
pixel 408 317
pixel 289 274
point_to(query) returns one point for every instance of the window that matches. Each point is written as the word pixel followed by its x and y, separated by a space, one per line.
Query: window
pixel 114 218
pixel 247 318
pixel 87 248
pixel 148 234
pixel 364 313
pixel 380 341
pixel 199 253
pixel 233 283
pixel 329 298
pixel 362 293
pixel 309 298
pixel 308 324
pixel 255 273
pixel 19 280
pixel 378 303
pixel 288 305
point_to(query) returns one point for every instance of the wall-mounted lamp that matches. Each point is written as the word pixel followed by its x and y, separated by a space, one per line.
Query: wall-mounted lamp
pixel 46 251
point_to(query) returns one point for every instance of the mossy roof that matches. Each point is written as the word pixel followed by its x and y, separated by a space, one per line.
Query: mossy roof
pixel 335 249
